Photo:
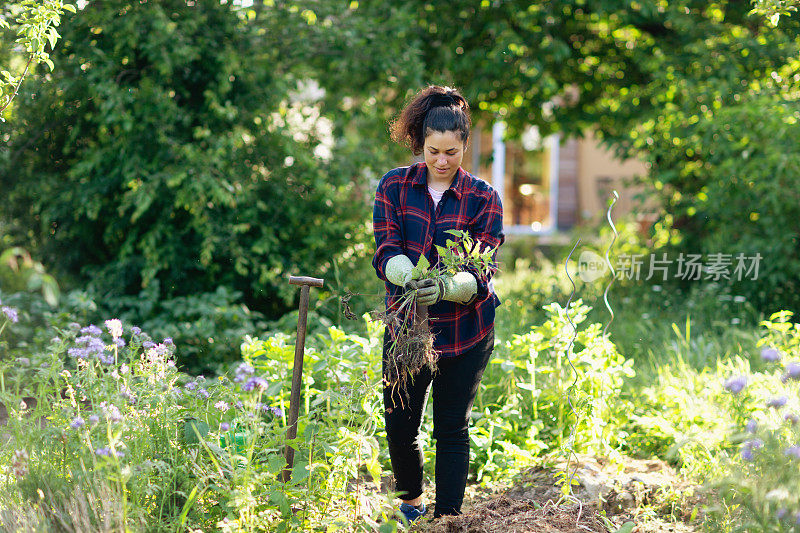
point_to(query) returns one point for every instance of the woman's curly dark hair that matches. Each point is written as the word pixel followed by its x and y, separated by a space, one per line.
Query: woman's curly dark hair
pixel 434 108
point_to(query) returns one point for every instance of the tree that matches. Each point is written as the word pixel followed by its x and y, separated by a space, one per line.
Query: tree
pixel 177 143
pixel 35 25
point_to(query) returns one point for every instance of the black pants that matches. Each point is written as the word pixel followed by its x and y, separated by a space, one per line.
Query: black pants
pixel 454 387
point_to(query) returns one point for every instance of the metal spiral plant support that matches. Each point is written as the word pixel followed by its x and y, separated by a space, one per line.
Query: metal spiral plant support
pixel 608 262
pixel 569 476
pixel 606 342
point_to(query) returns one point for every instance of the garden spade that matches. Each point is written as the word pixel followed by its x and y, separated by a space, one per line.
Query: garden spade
pixel 297 372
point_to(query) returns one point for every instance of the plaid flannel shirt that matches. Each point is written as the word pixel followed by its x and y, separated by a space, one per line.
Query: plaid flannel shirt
pixel 405 222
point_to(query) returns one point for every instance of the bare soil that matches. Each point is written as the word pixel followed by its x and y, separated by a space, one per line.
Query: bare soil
pixel 646 493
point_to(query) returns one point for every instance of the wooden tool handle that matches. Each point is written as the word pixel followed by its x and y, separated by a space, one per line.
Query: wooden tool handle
pixel 305 280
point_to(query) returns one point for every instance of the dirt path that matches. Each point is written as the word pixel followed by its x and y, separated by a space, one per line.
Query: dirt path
pixel 647 494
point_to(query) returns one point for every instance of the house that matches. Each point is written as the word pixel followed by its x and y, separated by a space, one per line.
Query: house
pixel 549 185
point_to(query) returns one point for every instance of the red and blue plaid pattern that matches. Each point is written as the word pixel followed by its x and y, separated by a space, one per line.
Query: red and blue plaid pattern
pixel 406 222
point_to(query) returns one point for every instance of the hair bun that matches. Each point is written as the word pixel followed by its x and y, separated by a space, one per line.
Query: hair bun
pixel 443 100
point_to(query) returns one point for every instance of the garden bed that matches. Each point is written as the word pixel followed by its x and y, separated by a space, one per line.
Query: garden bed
pixel 646 493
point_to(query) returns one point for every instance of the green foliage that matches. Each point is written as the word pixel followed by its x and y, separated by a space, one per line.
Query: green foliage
pixel 760 481
pixel 545 392
pixel 35 25
pixel 209 327
pixel 773 9
pixel 18 272
pixel 128 428
pixel 737 191
pixel 189 150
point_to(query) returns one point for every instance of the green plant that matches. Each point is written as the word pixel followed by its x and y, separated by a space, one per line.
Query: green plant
pixel 36 23
pixel 411 345
pixel 760 481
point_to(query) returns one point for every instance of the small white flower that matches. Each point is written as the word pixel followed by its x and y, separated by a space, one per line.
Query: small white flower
pixel 114 327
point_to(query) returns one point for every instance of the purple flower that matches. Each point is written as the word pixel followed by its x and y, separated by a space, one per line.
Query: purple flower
pixel 87 347
pixel 224 426
pixel 92 330
pixel 203 393
pixel 269 409
pixel 239 404
pixel 55 340
pixel 190 386
pixel 751 426
pixel 77 422
pixel 94 419
pixel 148 344
pixel 107 359
pixel 792 451
pixel 135 330
pixel 111 411
pixel 11 314
pixel 126 393
pixel 105 452
pixel 736 384
pixel 770 354
pixel 793 370
pixel 749 447
pixel 254 382
pixel 792 418
pixel 242 371
pixel 24 361
pixel 781 513
pixel 119 342
pixel 168 342
pixel 777 401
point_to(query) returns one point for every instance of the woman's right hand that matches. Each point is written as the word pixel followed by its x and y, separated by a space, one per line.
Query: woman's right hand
pixel 428 291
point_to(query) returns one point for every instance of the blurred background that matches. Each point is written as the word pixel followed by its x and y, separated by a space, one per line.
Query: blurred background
pixel 178 160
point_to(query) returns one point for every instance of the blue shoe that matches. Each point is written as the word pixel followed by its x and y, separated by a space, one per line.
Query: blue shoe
pixel 413 512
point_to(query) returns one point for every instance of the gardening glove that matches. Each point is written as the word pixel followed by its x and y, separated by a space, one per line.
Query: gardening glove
pixel 461 288
pixel 427 291
pixel 398 270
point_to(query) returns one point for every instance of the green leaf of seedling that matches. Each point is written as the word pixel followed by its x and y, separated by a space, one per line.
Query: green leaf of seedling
pixel 299 471
pixel 627 527
pixel 421 269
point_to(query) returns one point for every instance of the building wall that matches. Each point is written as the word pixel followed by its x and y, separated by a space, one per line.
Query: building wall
pixel 600 173
pixel 587 175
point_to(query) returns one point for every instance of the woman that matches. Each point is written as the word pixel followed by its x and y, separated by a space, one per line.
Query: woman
pixel 414 207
